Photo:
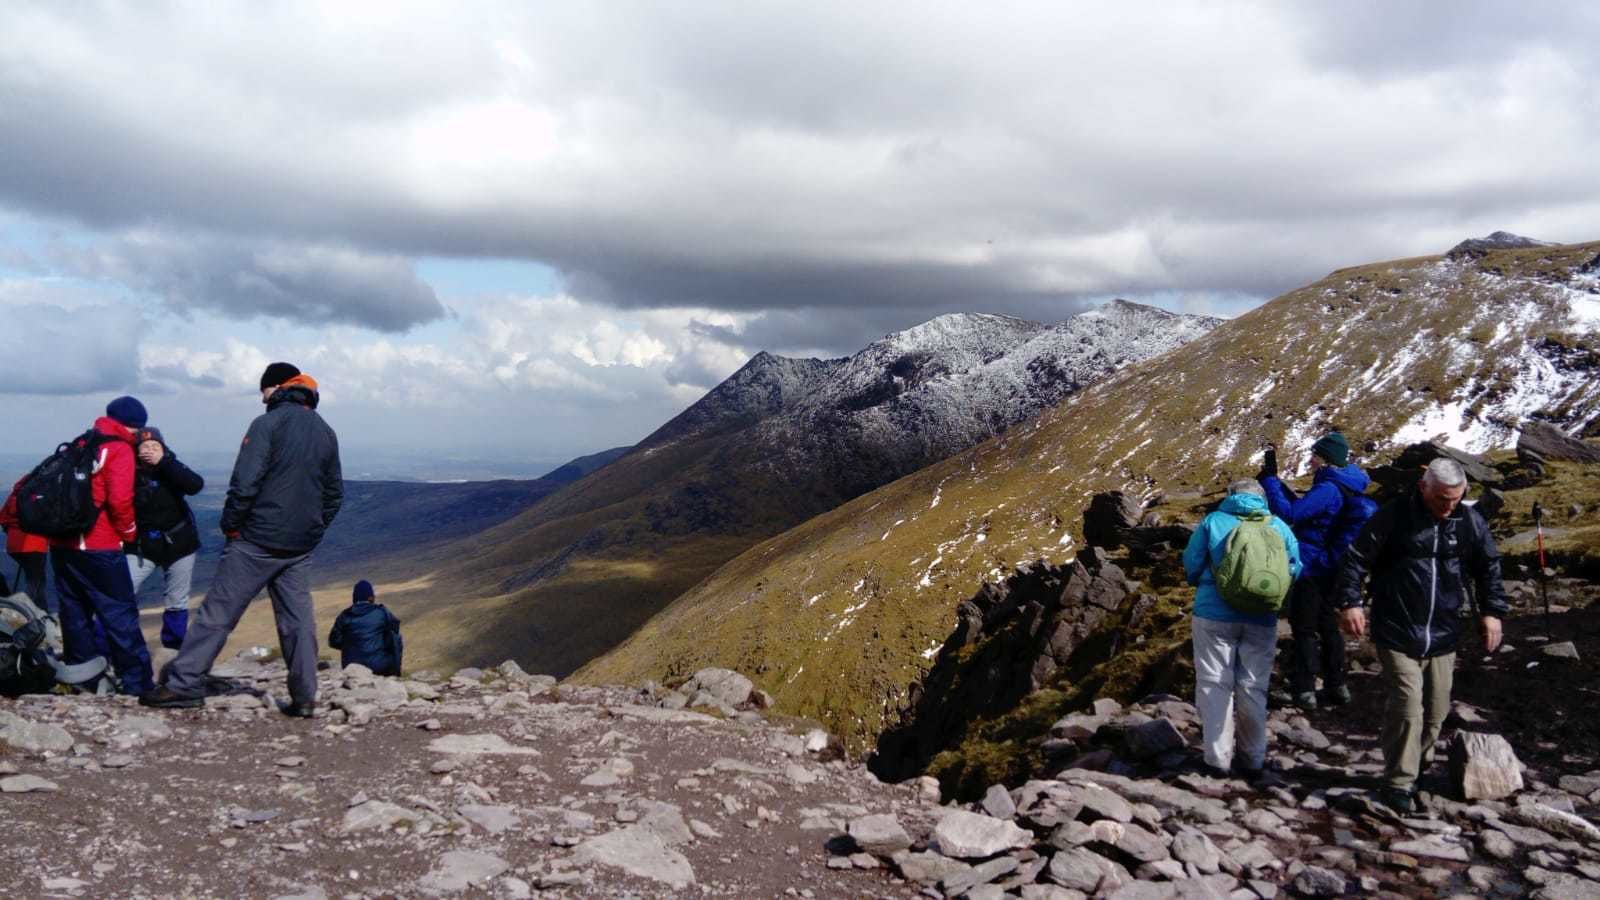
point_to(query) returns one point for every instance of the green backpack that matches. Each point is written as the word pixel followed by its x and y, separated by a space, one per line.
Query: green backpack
pixel 1253 575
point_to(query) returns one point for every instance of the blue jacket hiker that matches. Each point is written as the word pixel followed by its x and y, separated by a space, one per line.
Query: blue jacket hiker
pixel 368 634
pixel 1233 650
pixel 1326 519
pixel 1205 551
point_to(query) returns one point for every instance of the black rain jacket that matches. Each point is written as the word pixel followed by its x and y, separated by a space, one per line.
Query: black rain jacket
pixel 287 484
pixel 367 633
pixel 167 532
pixel 1421 569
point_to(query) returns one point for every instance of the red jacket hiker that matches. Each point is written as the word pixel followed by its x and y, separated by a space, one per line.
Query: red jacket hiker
pixel 17 540
pixel 113 493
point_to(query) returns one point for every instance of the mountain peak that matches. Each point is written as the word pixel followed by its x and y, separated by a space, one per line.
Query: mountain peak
pixel 1500 240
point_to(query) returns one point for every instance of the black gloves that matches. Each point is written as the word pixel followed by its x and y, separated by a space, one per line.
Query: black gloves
pixel 1269 463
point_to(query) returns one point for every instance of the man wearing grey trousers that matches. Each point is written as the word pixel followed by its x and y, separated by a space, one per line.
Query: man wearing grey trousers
pixel 285 490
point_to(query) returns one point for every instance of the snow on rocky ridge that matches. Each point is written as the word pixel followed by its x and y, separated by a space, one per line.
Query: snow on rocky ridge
pixel 1468 348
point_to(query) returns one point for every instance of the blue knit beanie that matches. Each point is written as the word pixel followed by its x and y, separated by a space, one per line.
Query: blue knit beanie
pixel 362 593
pixel 127 412
pixel 1333 448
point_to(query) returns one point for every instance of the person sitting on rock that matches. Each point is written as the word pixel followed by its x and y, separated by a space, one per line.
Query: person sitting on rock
pixel 1233 650
pixel 368 634
pixel 1421 551
pixel 1325 520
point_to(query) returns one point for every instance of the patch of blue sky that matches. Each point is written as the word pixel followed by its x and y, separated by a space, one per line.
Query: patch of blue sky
pixel 454 277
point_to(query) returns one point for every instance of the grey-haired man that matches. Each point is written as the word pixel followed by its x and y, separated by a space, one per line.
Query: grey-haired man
pixel 1421 551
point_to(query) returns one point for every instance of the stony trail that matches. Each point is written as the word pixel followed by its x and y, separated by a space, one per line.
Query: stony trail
pixel 500 784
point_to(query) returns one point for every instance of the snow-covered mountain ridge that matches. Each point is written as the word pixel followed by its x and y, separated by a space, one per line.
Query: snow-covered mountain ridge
pixel 841 614
pixel 779 441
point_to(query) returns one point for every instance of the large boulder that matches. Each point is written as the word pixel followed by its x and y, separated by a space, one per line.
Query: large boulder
pixel 724 685
pixel 969 835
pixel 1542 442
pixel 1109 517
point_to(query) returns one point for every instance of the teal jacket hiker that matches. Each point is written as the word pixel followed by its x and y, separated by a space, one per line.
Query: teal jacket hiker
pixel 1205 550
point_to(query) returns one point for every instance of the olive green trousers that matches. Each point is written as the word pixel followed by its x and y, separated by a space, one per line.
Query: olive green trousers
pixel 1416 701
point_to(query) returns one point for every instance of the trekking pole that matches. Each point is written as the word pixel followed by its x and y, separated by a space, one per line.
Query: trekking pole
pixel 1544 581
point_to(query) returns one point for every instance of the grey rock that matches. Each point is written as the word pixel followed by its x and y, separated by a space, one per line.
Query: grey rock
pixel 1162 796
pixel 1431 847
pixel 1152 739
pixel 1561 650
pixel 666 820
pixel 1086 871
pixel 1561 886
pixel 1050 892
pixel 927 867
pixel 1523 836
pixel 377 815
pixel 1582 785
pixel 478 745
pixel 1194 848
pixel 881 834
pixel 986 892
pixel 997 802
pixel 968 835
pixel 493 819
pixel 1483 766
pixel 1101 802
pixel 458 870
pixel 1315 881
pixel 27 784
pixel 137 731
pixel 1495 844
pixel 639 852
pixel 725 686
pixel 983 873
pixel 33 737
pixel 1306 737
pixel 1556 822
pixel 1141 845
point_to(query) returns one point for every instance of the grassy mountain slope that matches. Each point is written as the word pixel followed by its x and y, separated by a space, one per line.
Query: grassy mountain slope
pixel 836 617
pixel 776 443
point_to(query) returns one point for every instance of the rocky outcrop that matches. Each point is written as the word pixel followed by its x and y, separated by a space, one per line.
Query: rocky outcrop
pixel 1011 639
pixel 1541 442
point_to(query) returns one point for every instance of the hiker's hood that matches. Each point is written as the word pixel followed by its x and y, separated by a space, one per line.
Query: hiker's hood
pixel 1349 477
pixel 111 428
pixel 1243 504
pixel 301 389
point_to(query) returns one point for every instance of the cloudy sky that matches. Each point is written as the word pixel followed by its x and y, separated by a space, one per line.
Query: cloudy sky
pixel 528 231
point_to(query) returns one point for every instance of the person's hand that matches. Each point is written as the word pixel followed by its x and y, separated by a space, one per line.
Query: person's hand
pixel 1353 621
pixel 1269 462
pixel 1491 634
pixel 151 453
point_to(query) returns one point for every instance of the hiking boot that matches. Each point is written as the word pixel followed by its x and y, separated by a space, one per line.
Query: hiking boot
pixel 1306 700
pixel 1337 696
pixel 1400 800
pixel 163 697
pixel 298 710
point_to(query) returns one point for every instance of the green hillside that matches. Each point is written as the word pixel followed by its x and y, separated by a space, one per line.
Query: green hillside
pixel 838 616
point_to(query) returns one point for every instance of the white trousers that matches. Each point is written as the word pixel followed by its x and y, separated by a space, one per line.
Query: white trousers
pixel 179 576
pixel 1232 665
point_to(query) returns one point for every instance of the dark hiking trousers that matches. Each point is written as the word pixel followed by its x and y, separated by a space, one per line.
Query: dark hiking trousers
pixel 94 585
pixel 31 580
pixel 241 574
pixel 1318 643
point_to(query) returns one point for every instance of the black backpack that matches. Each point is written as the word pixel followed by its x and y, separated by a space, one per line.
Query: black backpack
pixel 57 498
pixel 24 663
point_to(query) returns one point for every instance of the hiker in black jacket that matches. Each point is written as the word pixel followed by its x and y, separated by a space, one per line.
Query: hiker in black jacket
pixel 367 634
pixel 168 539
pixel 286 488
pixel 1421 550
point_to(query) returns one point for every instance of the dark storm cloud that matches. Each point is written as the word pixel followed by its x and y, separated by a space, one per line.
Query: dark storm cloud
pixel 307 285
pixel 877 163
